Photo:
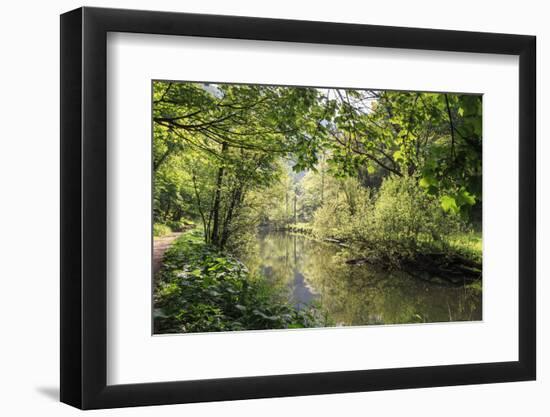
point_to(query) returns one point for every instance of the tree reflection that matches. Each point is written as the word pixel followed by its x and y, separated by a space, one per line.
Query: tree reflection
pixel 355 294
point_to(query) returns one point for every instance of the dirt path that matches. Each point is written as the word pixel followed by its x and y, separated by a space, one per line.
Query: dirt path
pixel 161 245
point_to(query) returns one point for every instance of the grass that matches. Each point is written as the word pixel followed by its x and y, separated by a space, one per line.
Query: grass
pixel 468 244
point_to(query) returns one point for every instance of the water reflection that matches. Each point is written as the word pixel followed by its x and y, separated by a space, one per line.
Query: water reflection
pixel 354 294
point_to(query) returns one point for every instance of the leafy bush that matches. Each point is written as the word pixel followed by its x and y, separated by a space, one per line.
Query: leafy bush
pixel 396 224
pixel 331 220
pixel 407 221
pixel 345 216
pixel 161 230
pixel 202 290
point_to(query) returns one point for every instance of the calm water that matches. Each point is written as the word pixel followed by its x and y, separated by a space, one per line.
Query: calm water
pixel 354 294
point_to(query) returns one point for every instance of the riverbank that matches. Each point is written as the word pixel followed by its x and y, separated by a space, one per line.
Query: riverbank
pixel 457 260
pixel 200 289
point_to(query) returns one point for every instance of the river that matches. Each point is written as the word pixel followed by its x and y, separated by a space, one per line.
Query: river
pixel 316 272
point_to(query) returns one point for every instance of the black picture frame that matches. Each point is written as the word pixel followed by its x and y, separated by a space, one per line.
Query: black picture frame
pixel 84 207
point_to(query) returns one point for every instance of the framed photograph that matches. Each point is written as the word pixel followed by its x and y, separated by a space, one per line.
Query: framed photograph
pixel 258 208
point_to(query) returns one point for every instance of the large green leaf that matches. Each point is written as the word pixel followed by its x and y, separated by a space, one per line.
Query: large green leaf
pixel 448 204
pixel 465 198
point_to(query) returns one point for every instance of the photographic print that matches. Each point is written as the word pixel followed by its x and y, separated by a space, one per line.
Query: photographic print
pixel 262 201
pixel 283 207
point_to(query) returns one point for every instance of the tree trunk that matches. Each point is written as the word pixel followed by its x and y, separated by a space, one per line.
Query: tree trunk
pixel 286 208
pixel 215 236
pixel 199 206
pixel 235 202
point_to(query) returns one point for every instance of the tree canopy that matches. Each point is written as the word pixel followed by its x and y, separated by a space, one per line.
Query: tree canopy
pixel 216 146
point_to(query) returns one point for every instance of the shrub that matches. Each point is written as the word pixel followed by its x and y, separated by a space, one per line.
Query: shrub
pixel 406 221
pixel 331 220
pixel 161 230
pixel 396 224
pixel 343 217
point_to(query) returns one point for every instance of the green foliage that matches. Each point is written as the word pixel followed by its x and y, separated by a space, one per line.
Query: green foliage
pixel 161 230
pixel 394 225
pixel 201 289
pixel 406 221
pixel 448 204
pixel 216 144
pixel 467 243
pixel 392 175
pixel 180 225
pixel 436 137
pixel 302 228
pixel 222 152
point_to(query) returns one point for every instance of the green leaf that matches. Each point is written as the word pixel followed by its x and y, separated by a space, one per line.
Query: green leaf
pixel 427 181
pixel 448 204
pixel 398 156
pixel 477 126
pixel 259 313
pixel 465 198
